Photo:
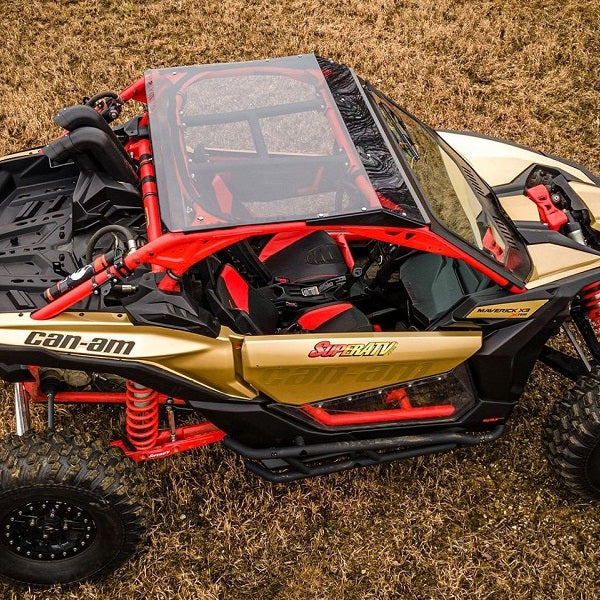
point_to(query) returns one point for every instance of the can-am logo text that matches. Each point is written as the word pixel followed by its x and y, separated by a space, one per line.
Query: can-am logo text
pixel 76 342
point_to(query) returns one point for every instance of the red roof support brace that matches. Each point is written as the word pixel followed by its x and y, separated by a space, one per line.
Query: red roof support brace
pixel 177 252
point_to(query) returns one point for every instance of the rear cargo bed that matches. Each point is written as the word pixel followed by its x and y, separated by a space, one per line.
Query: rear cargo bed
pixel 35 229
pixel 47 215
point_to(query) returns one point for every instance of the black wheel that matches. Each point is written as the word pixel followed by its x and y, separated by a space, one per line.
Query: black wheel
pixel 70 508
pixel 572 438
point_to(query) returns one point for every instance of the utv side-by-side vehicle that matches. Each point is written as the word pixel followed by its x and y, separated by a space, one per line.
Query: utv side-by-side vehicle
pixel 275 256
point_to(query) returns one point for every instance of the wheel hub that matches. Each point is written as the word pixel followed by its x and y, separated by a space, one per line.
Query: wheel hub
pixel 48 530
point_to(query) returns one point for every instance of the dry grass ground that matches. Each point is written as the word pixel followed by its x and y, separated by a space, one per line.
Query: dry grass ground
pixel 484 523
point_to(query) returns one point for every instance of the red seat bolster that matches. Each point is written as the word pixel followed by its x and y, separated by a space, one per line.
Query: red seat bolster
pixel 280 241
pixel 316 317
pixel 237 287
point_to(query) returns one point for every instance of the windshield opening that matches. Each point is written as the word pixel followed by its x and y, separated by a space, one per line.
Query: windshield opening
pixel 459 200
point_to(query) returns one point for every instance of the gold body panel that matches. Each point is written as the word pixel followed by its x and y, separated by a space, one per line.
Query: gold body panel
pixel 552 262
pixel 499 163
pixel 281 365
pixel 278 365
pixel 20 154
pixel 520 208
pixel 590 194
pixel 209 361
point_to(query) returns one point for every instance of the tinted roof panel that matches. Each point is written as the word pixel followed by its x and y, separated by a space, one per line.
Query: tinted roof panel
pixel 266 141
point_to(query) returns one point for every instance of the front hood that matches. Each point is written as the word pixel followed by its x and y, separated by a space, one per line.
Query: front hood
pixel 500 162
pixel 505 167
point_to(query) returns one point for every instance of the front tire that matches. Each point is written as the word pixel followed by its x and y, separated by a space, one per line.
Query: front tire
pixel 572 438
pixel 70 508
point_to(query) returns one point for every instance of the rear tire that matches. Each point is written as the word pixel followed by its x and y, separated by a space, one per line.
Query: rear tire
pixel 70 508
pixel 572 438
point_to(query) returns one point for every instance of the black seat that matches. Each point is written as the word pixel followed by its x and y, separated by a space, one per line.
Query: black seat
pixel 334 317
pixel 241 306
pixel 302 258
pixel 248 311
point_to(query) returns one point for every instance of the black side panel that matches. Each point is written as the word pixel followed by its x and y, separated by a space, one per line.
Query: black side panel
pixel 151 306
pixel 262 424
pixel 503 365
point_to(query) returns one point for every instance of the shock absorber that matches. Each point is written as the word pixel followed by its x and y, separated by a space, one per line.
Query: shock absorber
pixel 141 415
pixel 590 295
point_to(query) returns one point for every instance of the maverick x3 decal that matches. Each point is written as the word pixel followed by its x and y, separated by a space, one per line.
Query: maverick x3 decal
pixel 76 342
pixel 327 349
pixel 507 310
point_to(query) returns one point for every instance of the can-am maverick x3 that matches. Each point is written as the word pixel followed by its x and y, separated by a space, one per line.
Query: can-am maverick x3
pixel 281 250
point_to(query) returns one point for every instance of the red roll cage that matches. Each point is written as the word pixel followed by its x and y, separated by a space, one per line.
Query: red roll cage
pixel 176 251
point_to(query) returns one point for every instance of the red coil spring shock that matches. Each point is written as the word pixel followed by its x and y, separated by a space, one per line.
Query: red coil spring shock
pixel 591 300
pixel 141 415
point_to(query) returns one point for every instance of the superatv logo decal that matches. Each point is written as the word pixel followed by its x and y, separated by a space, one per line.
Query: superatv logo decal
pixel 327 349
pixel 62 341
